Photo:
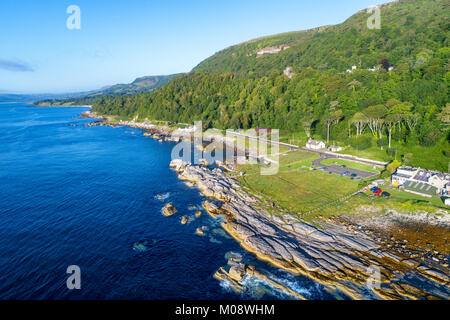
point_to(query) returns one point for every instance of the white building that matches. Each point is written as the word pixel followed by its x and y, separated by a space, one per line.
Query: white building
pixel 439 181
pixel 334 148
pixel 447 202
pixel 422 181
pixel 352 69
pixel 379 183
pixel 316 144
pixel 402 175
pixel 188 129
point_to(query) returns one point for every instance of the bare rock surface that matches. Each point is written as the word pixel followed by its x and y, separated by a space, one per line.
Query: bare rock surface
pixel 327 251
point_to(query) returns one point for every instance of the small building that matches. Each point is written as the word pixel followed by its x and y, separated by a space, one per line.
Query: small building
pixel 334 148
pixel 421 181
pixel 402 175
pixel 315 144
pixel 352 69
pixel 263 131
pixel 447 202
pixel 439 181
pixel 188 129
pixel 379 183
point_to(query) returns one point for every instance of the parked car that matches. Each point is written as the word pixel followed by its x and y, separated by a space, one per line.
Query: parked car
pixel 377 192
pixel 386 194
pixel 374 189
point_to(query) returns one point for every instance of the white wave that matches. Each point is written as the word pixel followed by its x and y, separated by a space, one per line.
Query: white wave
pixel 162 197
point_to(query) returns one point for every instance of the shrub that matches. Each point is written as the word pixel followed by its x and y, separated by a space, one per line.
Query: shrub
pixel 361 143
pixel 447 153
pixel 430 136
pixel 392 152
pixel 382 143
pixel 392 167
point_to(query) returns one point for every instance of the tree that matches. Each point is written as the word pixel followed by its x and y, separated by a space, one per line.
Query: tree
pixel 306 123
pixel 444 116
pixel 354 84
pixel 412 120
pixel 333 116
pixel 360 121
pixel 390 121
pixel 375 114
pixel 402 112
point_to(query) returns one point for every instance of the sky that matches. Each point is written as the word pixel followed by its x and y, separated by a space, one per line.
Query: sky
pixel 120 40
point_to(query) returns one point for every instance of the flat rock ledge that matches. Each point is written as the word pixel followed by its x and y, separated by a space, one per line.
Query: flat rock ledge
pixel 327 252
pixel 236 272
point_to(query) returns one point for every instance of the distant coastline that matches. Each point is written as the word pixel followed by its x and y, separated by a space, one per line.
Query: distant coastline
pixel 61 106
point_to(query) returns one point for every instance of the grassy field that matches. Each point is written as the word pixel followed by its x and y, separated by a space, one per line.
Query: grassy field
pixel 403 196
pixel 296 188
pixel 423 157
pixel 297 159
pixel 296 138
pixel 371 153
pixel 350 164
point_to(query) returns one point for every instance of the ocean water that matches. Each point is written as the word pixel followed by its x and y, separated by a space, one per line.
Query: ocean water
pixel 88 196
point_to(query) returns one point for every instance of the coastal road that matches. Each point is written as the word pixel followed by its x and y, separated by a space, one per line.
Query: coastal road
pixel 323 154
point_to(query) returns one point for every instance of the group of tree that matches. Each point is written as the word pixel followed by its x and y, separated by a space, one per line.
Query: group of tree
pixel 236 88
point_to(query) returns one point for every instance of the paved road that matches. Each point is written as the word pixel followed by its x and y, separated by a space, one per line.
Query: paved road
pixel 323 154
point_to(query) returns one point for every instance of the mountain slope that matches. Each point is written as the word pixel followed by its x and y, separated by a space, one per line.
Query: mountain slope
pixel 407 29
pixel 140 85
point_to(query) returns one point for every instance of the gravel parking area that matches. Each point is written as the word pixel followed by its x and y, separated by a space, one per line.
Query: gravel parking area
pixel 351 173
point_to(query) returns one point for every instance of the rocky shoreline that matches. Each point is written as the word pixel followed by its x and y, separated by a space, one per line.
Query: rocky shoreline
pixel 335 253
pixel 329 252
pixel 164 133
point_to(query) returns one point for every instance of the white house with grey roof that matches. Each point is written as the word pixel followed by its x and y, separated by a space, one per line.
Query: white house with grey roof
pixel 420 181
pixel 316 144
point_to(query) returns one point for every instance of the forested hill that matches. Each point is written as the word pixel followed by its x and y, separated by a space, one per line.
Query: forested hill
pixel 140 85
pixel 408 29
pixel 400 105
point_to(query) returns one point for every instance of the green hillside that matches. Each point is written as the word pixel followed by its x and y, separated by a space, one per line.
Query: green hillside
pixel 382 113
pixel 408 29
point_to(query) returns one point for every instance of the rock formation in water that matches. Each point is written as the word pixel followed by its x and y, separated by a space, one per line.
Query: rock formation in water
pixel 169 210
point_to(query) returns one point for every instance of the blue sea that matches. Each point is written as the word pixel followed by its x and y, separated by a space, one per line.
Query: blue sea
pixel 92 197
